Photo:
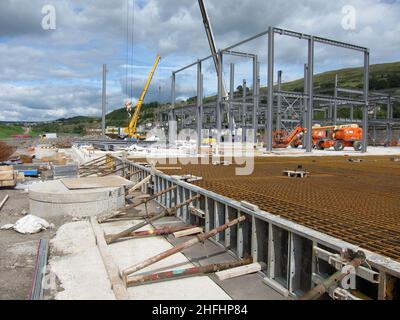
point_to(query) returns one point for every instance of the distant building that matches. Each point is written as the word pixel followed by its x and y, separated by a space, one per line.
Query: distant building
pixel 93 132
pixel 49 135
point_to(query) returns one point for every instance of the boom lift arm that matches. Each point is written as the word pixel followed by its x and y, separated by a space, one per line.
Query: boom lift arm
pixel 133 124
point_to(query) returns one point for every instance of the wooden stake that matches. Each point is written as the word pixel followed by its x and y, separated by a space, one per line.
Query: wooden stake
pixel 240 271
pixel 188 232
pixel 4 201
pixel 138 185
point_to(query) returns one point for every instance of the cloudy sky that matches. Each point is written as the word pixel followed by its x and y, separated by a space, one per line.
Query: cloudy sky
pixel 49 74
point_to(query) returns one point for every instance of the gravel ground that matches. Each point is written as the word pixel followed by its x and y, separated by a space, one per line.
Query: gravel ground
pixel 18 251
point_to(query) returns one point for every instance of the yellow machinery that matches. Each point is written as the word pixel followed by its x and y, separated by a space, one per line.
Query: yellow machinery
pixel 131 130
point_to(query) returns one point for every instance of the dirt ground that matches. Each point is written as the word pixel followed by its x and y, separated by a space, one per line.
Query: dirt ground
pixel 18 251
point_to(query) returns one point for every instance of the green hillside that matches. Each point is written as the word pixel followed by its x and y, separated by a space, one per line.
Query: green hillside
pixel 382 76
pixel 8 130
pixel 119 117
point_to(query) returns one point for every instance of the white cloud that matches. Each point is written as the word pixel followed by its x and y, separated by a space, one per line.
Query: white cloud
pixel 44 74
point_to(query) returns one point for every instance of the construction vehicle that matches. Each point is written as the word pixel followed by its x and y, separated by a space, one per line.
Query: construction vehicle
pixel 132 129
pixel 338 137
pixel 282 139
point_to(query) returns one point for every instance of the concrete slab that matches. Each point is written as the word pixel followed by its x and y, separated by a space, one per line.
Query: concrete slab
pixel 76 262
pixel 95 182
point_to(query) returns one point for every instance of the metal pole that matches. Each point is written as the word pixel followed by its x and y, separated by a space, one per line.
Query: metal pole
pixel 270 87
pixel 305 102
pixel 366 92
pixel 167 212
pixel 255 98
pixel 188 272
pixel 104 102
pixel 389 135
pixel 198 109
pixel 202 105
pixel 279 117
pixel 231 97
pixel 335 104
pixel 219 102
pixel 171 123
pixel 244 111
pixel 309 142
pixel 125 210
pixel 338 276
pixel 200 238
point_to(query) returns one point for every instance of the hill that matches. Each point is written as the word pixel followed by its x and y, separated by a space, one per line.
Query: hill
pixel 382 77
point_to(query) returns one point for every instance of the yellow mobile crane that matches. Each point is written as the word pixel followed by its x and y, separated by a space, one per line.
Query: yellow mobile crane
pixel 131 130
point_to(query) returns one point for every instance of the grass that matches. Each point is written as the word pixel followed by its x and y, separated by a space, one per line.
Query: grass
pixel 7 131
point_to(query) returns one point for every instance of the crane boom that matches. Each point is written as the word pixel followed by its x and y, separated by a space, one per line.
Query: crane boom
pixel 211 41
pixel 132 125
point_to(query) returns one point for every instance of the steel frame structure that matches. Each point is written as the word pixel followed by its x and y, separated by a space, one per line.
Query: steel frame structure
pixel 297 257
pixel 267 110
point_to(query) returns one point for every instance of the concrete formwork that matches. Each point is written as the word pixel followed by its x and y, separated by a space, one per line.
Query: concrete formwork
pixel 297 256
pixel 53 198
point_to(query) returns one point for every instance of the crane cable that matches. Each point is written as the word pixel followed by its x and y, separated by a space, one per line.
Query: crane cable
pixel 132 40
pixel 127 47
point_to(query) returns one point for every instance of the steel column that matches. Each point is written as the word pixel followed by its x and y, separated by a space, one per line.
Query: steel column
pixel 279 116
pixel 104 102
pixel 231 97
pixel 270 87
pixel 199 105
pixel 244 111
pixel 366 92
pixel 310 87
pixel 219 102
pixel 335 103
pixel 255 98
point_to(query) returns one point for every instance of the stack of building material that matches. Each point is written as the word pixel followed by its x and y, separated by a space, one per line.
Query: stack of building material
pixel 64 171
pixel 58 159
pixel 30 170
pixel 8 177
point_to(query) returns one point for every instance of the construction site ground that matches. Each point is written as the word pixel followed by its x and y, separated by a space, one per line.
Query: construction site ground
pixel 354 201
pixel 18 251
pixel 76 263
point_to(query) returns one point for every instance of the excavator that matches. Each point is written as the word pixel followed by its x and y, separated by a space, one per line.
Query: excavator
pixel 131 130
pixel 338 137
